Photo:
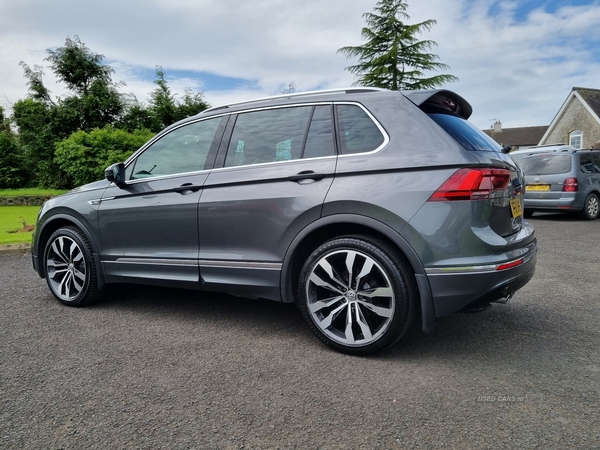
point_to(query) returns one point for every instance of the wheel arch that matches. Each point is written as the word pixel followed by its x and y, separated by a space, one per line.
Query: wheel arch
pixel 62 220
pixel 330 227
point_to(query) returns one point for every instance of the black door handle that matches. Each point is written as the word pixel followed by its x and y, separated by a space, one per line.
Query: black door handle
pixel 188 187
pixel 307 175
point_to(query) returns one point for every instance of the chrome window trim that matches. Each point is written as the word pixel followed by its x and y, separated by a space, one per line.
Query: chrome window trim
pixel 386 137
pixel 290 161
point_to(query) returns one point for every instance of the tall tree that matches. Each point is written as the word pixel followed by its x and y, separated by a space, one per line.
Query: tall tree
pixel 95 98
pixel 165 107
pixel 393 57
pixel 92 102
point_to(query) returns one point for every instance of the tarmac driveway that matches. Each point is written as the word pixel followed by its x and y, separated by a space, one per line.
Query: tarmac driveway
pixel 165 369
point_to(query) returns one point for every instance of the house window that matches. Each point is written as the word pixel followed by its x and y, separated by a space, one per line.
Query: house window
pixel 576 138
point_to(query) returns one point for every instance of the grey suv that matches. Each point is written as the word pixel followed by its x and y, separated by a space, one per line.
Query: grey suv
pixel 568 181
pixel 369 208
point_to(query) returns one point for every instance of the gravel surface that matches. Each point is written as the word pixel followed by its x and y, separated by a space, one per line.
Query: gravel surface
pixel 165 369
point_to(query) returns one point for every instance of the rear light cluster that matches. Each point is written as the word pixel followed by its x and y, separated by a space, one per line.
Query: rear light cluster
pixel 472 184
pixel 570 185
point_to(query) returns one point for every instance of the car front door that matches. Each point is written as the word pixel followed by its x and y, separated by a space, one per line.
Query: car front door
pixel 269 182
pixel 149 228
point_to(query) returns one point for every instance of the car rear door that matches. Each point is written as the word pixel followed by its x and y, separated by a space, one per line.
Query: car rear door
pixel 272 174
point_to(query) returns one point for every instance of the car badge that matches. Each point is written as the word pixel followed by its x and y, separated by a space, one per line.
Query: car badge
pixel 536 180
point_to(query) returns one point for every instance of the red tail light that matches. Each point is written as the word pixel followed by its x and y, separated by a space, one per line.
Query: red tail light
pixel 472 184
pixel 570 185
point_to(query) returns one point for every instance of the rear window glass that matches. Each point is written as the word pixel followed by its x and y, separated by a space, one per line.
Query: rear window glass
pixel 467 135
pixel 546 164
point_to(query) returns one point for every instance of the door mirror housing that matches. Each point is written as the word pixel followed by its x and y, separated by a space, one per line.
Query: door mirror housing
pixel 116 174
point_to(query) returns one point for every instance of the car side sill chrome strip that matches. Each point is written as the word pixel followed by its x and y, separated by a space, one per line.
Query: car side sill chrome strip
pixel 160 262
pixel 241 265
pixel 202 263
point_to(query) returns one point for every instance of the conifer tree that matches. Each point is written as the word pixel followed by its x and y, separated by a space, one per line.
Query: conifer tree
pixel 393 57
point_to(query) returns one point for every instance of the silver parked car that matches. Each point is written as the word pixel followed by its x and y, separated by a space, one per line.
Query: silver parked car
pixel 563 182
pixel 369 208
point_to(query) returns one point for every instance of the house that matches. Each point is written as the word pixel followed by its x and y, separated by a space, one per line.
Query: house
pixel 516 137
pixel 578 121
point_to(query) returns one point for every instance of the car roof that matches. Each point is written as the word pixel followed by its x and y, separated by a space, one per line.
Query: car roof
pixel 442 98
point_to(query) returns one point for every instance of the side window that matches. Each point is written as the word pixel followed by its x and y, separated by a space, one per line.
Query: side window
pixel 596 163
pixel 320 141
pixel 182 150
pixel 358 133
pixel 268 136
pixel 586 164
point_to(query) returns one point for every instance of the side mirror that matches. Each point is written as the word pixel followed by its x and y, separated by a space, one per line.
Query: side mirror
pixel 116 174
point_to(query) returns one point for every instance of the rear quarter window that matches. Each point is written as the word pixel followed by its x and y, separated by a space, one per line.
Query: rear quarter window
pixel 358 132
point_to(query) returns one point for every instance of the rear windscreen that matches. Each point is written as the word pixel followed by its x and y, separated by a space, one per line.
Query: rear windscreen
pixel 467 135
pixel 546 164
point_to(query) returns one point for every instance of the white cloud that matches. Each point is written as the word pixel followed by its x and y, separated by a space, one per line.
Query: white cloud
pixel 515 69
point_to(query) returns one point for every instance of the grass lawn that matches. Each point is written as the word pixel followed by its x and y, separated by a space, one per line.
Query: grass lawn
pixel 16 224
pixel 30 191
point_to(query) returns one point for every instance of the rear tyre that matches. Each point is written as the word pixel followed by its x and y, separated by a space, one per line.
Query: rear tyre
pixel 591 208
pixel 69 266
pixel 356 297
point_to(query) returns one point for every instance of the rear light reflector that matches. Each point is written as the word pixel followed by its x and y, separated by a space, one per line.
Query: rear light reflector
pixel 510 265
pixel 570 185
pixel 472 184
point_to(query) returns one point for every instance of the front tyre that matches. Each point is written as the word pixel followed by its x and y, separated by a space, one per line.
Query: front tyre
pixel 356 297
pixel 69 266
pixel 591 208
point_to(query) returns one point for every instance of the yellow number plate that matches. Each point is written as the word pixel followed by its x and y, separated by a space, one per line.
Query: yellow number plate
pixel 515 206
pixel 538 187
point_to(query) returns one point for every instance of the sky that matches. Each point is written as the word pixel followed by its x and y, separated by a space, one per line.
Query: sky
pixel 516 61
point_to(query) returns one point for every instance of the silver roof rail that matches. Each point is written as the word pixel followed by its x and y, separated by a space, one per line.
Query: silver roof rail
pixel 299 94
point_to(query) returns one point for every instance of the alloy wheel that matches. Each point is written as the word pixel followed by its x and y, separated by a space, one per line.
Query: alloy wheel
pixel 350 297
pixel 66 268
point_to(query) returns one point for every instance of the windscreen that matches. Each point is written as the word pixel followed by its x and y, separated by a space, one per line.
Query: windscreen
pixel 546 164
pixel 467 135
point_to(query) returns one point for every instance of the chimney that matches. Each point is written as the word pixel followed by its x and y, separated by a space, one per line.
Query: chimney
pixel 497 126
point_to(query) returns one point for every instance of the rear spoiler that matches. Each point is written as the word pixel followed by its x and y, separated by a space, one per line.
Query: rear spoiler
pixel 440 98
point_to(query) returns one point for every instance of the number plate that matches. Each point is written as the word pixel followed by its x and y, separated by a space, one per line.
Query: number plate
pixel 515 206
pixel 538 187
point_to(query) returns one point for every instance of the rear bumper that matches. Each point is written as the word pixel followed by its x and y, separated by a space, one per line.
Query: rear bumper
pixel 568 201
pixel 455 288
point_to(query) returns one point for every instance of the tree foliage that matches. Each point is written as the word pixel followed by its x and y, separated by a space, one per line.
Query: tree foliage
pixel 393 57
pixel 85 155
pixel 92 102
pixel 12 165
